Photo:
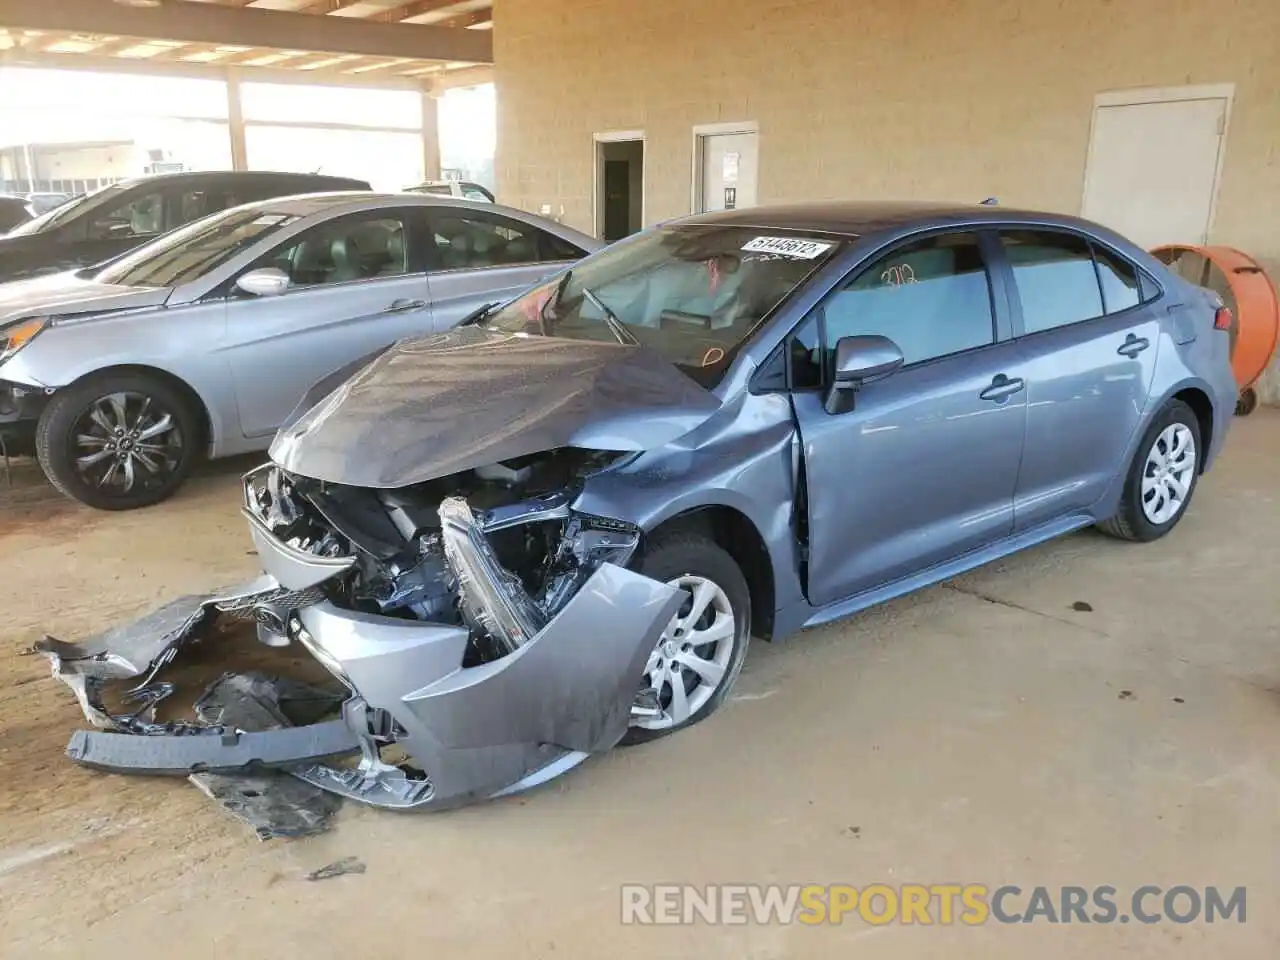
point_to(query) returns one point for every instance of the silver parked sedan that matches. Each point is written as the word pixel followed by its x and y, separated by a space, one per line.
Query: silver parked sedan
pixel 205 339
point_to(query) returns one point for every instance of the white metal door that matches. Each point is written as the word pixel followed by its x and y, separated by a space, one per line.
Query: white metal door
pixel 729 167
pixel 1153 169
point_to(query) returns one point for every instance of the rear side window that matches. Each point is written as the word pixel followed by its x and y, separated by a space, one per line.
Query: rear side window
pixel 466 240
pixel 1119 280
pixel 1055 278
pixel 1150 289
pixel 552 247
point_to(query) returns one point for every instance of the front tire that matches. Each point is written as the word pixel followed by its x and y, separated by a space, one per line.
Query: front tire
pixel 118 441
pixel 1161 478
pixel 700 654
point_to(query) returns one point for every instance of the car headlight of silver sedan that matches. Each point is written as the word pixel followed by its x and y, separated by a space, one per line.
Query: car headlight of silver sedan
pixel 14 338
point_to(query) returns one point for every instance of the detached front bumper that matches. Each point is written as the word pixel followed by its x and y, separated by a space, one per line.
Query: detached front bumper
pixel 468 732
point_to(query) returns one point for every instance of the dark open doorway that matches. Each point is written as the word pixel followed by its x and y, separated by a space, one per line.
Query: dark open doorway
pixel 619 188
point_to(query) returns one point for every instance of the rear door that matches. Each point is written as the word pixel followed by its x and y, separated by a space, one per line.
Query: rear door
pixel 480 256
pixel 358 283
pixel 923 468
pixel 1088 344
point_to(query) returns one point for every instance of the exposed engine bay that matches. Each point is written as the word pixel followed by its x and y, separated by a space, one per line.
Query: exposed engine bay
pixel 496 549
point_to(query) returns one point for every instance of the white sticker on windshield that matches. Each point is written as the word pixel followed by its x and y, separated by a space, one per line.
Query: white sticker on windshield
pixel 270 219
pixel 788 247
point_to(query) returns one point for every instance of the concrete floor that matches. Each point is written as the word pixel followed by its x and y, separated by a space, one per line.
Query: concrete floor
pixel 976 732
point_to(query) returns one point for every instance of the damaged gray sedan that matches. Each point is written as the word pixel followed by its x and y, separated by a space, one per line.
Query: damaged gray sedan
pixel 555 528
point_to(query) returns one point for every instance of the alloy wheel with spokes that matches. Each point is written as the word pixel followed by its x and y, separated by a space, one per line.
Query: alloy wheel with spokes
pixel 692 657
pixel 1168 473
pixel 125 441
pixel 119 441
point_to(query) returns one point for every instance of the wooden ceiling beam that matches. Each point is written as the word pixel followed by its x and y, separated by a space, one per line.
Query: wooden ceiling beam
pixel 416 9
pixel 327 6
pixel 465 20
pixel 249 26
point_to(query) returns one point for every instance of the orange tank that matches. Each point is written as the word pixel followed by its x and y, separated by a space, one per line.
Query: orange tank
pixel 1250 295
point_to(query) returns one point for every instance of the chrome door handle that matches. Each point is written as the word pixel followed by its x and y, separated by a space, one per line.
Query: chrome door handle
pixel 405 306
pixel 1132 346
pixel 1002 388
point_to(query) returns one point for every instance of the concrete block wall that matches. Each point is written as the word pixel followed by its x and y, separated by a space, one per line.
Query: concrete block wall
pixel 917 99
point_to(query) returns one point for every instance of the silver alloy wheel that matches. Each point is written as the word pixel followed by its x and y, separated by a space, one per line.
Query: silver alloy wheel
pixel 1168 473
pixel 692 657
pixel 125 438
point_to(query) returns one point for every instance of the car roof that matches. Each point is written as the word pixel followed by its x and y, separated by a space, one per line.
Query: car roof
pixel 235 175
pixel 860 218
pixel 306 204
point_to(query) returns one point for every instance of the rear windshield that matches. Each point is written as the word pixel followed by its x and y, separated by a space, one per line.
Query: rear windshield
pixel 693 293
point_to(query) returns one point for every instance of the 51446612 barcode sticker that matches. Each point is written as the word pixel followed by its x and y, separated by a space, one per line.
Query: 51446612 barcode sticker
pixel 788 247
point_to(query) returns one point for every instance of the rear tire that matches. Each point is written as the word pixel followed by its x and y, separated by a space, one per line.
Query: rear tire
pixel 716 583
pixel 1159 486
pixel 118 441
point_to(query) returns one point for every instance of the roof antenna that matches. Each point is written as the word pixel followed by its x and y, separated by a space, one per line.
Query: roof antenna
pixel 990 202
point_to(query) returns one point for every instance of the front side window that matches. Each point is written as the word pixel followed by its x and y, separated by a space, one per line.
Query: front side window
pixel 932 298
pixel 143 216
pixel 362 247
pixel 1055 278
pixel 466 241
pixel 473 192
pixel 692 293
pixel 193 251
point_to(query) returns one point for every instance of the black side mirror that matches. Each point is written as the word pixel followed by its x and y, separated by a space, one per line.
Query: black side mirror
pixel 860 360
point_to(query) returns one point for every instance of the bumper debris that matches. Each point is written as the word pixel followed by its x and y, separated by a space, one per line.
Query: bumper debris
pixel 211 750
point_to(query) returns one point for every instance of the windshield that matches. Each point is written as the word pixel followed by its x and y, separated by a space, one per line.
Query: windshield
pixel 64 212
pixel 190 253
pixel 693 293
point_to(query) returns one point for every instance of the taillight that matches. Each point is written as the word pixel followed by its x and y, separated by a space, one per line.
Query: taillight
pixel 1222 319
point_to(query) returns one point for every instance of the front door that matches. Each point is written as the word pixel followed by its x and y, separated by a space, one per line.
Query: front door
pixel 1089 348
pixel 357 285
pixel 923 468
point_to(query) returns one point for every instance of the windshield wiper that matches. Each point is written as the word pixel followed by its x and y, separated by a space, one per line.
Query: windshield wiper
pixel 478 314
pixel 616 326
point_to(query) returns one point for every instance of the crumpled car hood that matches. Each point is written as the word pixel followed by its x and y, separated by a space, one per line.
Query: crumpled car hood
pixel 441 404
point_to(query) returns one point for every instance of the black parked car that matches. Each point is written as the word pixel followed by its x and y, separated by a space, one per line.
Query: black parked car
pixel 114 220
pixel 13 211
